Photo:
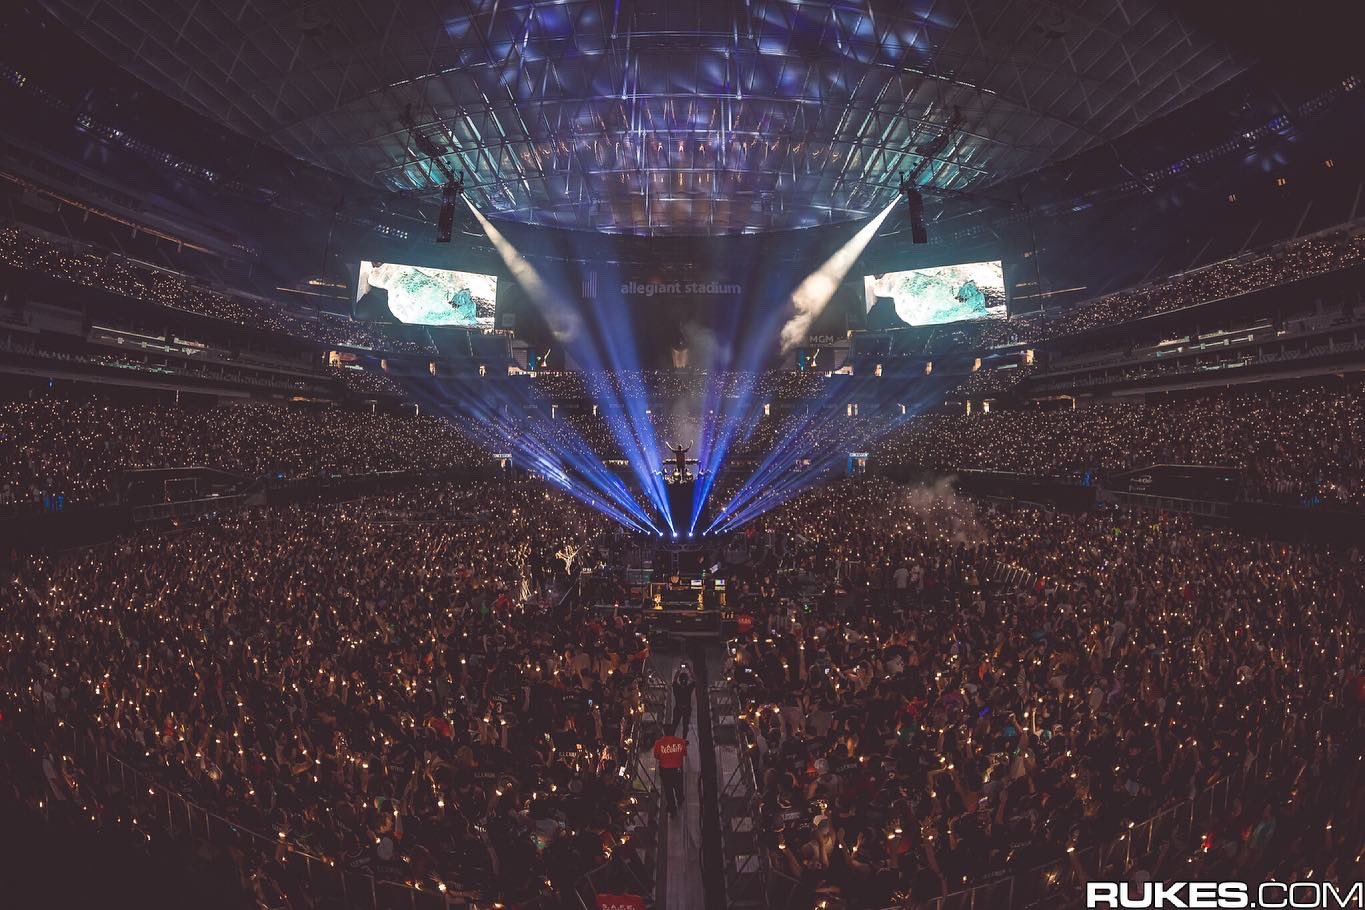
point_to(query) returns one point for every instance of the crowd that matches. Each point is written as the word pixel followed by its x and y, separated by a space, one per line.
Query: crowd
pixel 25 250
pixel 990 382
pixel 28 250
pixel 368 382
pixel 79 264
pixel 399 687
pixel 77 449
pixel 1260 269
pixel 920 729
pixel 1253 271
pixel 396 687
pixel 333 329
pixel 1295 444
pixel 1299 443
pixel 666 387
pixel 823 432
pixel 1248 356
pixel 198 373
pixel 1291 443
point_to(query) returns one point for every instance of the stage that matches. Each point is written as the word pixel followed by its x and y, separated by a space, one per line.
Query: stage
pixel 675 577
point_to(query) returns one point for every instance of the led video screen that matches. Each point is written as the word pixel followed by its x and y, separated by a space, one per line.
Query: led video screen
pixel 428 296
pixel 945 293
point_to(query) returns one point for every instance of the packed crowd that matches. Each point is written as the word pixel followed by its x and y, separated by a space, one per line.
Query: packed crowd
pixel 1305 444
pixel 204 372
pixel 408 697
pixel 1260 269
pixel 429 710
pixel 23 249
pixel 987 383
pixel 666 387
pixel 920 729
pixel 818 434
pixel 77 449
pixel 1295 444
pixel 368 382
pixel 1249 356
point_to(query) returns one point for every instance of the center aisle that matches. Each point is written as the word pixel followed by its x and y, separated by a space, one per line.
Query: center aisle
pixel 680 880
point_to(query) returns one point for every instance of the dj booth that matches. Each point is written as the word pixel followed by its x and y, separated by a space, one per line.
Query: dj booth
pixel 676 580
pixel 679 586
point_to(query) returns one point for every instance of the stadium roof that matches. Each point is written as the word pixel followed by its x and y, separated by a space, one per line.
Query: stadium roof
pixel 668 116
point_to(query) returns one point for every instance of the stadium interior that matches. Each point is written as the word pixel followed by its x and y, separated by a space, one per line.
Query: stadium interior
pixel 703 455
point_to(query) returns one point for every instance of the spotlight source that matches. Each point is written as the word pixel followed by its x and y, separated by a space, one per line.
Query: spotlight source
pixel 914 201
pixel 445 224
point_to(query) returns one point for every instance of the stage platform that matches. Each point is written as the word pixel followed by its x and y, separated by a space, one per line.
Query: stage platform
pixel 679 587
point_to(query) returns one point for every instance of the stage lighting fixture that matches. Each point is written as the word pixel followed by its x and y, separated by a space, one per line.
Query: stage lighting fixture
pixel 445 224
pixel 915 202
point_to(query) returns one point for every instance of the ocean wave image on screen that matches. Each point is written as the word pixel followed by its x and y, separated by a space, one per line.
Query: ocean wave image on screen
pixel 429 296
pixel 946 293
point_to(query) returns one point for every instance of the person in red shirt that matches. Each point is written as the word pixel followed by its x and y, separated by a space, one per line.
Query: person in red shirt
pixel 669 752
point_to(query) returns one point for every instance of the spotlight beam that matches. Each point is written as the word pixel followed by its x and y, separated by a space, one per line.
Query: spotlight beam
pixel 557 453
pixel 731 413
pixel 566 326
pixel 787 448
pixel 808 301
pixel 775 481
pixel 561 318
pixel 813 294
pixel 610 347
pixel 636 437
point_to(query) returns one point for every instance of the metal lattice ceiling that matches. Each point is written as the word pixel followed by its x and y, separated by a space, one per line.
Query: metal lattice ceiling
pixel 666 116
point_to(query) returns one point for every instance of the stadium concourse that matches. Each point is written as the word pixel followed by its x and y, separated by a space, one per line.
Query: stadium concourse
pixel 689 456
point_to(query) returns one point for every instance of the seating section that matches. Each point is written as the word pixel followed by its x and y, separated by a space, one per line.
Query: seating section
pixel 943 698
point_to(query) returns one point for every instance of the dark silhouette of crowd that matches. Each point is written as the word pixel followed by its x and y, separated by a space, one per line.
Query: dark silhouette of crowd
pixel 76 449
pixel 938 692
pixel 921 727
pixel 1296 444
pixel 26 249
pixel 1253 271
pixel 409 697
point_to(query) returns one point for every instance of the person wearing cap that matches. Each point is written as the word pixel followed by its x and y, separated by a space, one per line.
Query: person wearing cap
pixel 669 752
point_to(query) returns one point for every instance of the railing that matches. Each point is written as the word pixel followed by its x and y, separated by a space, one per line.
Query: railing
pixel 151 805
pixel 742 787
pixel 1142 842
pixel 1181 826
pixel 187 508
pixel 634 869
pixel 169 811
pixel 1009 576
pixel 1204 507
